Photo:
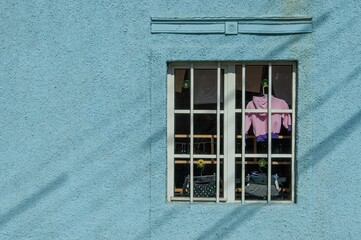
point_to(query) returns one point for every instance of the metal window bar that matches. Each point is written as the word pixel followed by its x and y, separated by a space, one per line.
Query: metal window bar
pixel 269 122
pixel 243 151
pixel 218 129
pixel 293 131
pixel 191 134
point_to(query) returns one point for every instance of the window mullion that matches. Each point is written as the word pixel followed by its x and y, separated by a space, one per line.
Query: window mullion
pixel 230 134
pixel 294 128
pixel 170 131
pixel 191 133
pixel 243 132
pixel 218 127
pixel 269 138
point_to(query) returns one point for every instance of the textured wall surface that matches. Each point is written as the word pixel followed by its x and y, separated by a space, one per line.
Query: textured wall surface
pixel 83 120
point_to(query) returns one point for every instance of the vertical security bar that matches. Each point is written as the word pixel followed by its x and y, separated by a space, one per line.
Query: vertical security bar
pixel 243 152
pixel 218 127
pixel 191 133
pixel 170 132
pixel 269 121
pixel 293 130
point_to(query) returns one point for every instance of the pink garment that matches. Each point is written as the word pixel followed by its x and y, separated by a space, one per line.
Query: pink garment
pixel 259 120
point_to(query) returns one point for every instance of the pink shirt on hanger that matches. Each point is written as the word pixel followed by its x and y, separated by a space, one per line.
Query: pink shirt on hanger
pixel 259 120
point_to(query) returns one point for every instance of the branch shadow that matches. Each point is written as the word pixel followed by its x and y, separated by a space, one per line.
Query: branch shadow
pixel 224 226
pixel 297 37
pixel 319 101
pixel 165 218
pixel 322 149
pixel 33 199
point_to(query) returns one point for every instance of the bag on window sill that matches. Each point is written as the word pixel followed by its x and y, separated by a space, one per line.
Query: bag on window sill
pixel 261 178
pixel 257 184
pixel 260 190
pixel 204 186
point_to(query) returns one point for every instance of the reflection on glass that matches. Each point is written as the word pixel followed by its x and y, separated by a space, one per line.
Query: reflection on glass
pixel 282 83
pixel 182 88
pixel 205 89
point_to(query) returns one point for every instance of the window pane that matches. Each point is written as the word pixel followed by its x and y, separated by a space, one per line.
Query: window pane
pixel 238 180
pixel 182 131
pixel 281 124
pixel 181 178
pixel 205 175
pixel 201 118
pixel 205 89
pixel 238 133
pixel 205 133
pixel 282 83
pixel 239 86
pixel 182 88
pixel 254 76
pixel 282 172
pixel 256 179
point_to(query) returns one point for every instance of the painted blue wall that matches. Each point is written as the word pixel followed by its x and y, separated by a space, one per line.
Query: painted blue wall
pixel 83 120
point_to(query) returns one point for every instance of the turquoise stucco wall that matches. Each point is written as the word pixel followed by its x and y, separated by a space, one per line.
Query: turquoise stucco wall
pixel 83 120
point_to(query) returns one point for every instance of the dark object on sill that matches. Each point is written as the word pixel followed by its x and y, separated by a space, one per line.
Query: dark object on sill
pixel 204 186
pixel 257 184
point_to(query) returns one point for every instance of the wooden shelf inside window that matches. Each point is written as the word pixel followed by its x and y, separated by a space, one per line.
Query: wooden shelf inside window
pixel 187 161
pixel 196 136
pixel 252 136
pixel 215 136
pixel 256 163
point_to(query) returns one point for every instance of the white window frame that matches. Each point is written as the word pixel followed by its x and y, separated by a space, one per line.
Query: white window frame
pixel 229 139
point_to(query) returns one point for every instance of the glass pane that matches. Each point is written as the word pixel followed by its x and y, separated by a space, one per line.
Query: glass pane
pixel 238 175
pixel 256 108
pixel 205 133
pixel 256 75
pixel 238 133
pixel 282 83
pixel 282 129
pixel 181 178
pixel 256 79
pixel 239 87
pixel 205 176
pixel 182 131
pixel 282 178
pixel 252 146
pixel 205 89
pixel 182 88
pixel 256 179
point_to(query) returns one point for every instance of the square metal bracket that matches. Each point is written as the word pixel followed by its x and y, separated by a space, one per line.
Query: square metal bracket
pixel 231 28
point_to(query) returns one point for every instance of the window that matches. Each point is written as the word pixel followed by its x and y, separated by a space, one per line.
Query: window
pixel 218 143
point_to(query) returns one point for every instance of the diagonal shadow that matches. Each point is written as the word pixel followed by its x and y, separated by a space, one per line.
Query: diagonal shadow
pixel 322 149
pixel 351 78
pixel 33 199
pixel 297 37
pixel 224 226
pixel 165 218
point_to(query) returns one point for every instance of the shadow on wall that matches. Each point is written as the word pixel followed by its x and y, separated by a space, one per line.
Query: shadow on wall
pixel 284 45
pixel 224 226
pixel 33 199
